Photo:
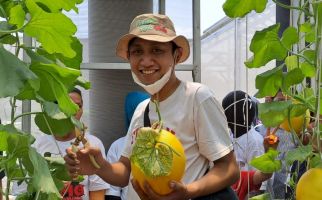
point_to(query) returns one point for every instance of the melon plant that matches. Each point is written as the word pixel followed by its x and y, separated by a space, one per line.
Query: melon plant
pixel 298 50
pixel 51 68
pixel 157 157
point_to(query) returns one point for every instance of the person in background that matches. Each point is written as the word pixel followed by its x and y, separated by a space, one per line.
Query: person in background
pixel 92 187
pixel 188 109
pixel 240 111
pixel 132 100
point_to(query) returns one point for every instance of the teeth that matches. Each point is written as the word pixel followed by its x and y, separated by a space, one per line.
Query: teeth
pixel 147 71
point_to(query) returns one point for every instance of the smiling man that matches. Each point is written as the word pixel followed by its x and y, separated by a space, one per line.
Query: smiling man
pixel 188 109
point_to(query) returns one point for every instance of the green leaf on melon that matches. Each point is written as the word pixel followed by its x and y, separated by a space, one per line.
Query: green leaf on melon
pixel 152 157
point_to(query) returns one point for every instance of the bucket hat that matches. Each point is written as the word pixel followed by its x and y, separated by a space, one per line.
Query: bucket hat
pixel 152 27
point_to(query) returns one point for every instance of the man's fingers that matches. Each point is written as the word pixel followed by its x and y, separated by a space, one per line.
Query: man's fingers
pixel 139 190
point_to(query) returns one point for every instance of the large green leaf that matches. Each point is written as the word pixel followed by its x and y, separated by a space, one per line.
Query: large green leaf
pixel 273 113
pixel 308 70
pixel 19 144
pixel 266 46
pixel 267 162
pixel 293 77
pixel 269 82
pixel 58 168
pixel 54 82
pixel 52 110
pixel 68 62
pixel 291 62
pixel 52 30
pixel 289 37
pixel 17 16
pixel 76 60
pixel 14 74
pixel 41 179
pixel 57 5
pixel 299 154
pixel 239 8
pixel 58 127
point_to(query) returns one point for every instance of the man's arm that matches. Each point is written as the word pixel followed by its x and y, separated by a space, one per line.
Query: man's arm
pixel 224 173
pixel 117 173
pixel 97 195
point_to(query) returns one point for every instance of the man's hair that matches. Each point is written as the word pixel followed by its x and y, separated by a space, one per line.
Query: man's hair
pixel 240 111
pixel 76 90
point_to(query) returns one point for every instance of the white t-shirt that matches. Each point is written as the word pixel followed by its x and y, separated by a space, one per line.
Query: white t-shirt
pixel 46 143
pixel 247 147
pixel 197 119
pixel 113 155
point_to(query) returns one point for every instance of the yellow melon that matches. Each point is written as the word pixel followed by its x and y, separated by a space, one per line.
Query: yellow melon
pixel 309 186
pixel 157 157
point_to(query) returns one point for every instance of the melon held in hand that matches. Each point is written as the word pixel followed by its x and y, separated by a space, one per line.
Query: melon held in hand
pixel 157 157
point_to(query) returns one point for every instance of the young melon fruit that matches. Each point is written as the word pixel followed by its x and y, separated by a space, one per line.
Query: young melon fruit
pixel 309 186
pixel 297 123
pixel 157 157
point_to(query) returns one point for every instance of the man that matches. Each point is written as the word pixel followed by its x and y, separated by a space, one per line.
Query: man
pixel 92 187
pixel 188 109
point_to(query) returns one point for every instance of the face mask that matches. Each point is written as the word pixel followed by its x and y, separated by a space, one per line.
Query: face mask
pixel 157 85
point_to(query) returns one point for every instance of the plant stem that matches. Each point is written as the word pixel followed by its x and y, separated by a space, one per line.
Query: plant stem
pixel 23 114
pixel 51 132
pixel 37 195
pixel 13 109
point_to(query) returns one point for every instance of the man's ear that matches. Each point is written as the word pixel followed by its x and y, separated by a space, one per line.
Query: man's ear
pixel 177 54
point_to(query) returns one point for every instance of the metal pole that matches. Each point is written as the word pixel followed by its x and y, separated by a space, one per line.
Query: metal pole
pixel 26 104
pixel 196 50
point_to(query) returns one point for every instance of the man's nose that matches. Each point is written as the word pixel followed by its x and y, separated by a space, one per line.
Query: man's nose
pixel 147 59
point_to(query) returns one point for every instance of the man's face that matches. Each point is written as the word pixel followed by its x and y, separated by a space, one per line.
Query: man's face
pixel 150 60
pixel 77 99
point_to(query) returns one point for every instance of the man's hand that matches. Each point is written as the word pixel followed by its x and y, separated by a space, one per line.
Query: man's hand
pixel 79 163
pixel 179 192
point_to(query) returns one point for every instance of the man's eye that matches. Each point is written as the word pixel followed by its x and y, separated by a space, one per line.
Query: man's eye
pixel 157 51
pixel 136 52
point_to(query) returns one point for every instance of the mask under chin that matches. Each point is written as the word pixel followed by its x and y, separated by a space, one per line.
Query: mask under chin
pixel 156 86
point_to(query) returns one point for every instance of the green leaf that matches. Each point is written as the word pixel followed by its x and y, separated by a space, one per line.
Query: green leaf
pixel 76 60
pixel 273 113
pixel 58 168
pixel 153 158
pixel 308 70
pixel 13 74
pixel 17 16
pixel 54 81
pixel 59 127
pixel 293 77
pixel 83 83
pixel 239 8
pixel 316 162
pixel 36 57
pixel 4 134
pixel 52 110
pixel 306 27
pixel 57 5
pixel 266 46
pixel 310 55
pixel 19 144
pixel 269 82
pixel 8 39
pixel 267 162
pixel 291 62
pixel 299 154
pixel 289 37
pixel 41 179
pixel 52 30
